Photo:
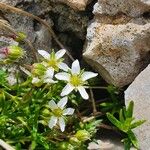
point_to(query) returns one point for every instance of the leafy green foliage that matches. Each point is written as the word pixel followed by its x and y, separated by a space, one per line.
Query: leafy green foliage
pixel 25 114
pixel 3 76
pixel 114 104
pixel 126 123
pixel 33 112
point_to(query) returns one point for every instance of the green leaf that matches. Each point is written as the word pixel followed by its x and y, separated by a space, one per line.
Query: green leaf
pixel 33 145
pixel 129 112
pixel 126 125
pixel 42 140
pixel 3 77
pixel 107 106
pixel 114 121
pixel 133 139
pixel 127 143
pixel 121 116
pixel 136 124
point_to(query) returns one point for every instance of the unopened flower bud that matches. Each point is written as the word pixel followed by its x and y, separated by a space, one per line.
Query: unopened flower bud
pixel 65 146
pixel 74 141
pixel 45 112
pixel 20 37
pixel 14 52
pixel 82 135
pixel 38 69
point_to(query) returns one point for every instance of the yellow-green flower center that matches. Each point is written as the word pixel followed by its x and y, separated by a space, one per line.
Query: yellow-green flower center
pixel 53 63
pixel 75 80
pixel 58 112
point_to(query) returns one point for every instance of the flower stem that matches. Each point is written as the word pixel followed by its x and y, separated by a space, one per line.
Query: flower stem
pixel 93 102
pixel 96 87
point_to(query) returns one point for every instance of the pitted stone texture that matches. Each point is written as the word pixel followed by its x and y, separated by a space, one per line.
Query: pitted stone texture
pixel 118 52
pixel 75 4
pixel 139 92
pixel 39 37
pixel 10 2
pixel 132 8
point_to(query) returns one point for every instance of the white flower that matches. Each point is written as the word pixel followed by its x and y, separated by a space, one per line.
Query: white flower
pixel 76 79
pixel 40 74
pixel 54 60
pixel 46 78
pixel 59 112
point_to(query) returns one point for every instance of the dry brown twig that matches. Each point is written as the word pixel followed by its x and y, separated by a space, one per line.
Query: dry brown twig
pixel 6 26
pixel 93 102
pixel 19 11
pixel 6 146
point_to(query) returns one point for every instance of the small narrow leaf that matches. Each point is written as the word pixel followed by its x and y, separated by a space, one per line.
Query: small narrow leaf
pixel 127 143
pixel 121 117
pixel 114 121
pixel 133 139
pixel 129 112
pixel 136 124
pixel 106 104
pixel 127 124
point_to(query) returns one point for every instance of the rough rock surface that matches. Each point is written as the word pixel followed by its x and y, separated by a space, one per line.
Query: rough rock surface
pixel 68 21
pixel 139 92
pixel 75 4
pixel 39 37
pixel 113 7
pixel 118 51
pixel 118 40
pixel 69 25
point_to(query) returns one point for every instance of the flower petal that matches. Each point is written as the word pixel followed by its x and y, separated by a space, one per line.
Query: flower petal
pixel 35 80
pixel 75 69
pixel 25 71
pixel 62 124
pixel 83 92
pixel 68 111
pixel 45 64
pixel 63 76
pixel 63 66
pixel 45 54
pixel 52 105
pixel 87 75
pixel 49 73
pixel 52 122
pixel 49 81
pixel 61 104
pixel 60 53
pixel 67 89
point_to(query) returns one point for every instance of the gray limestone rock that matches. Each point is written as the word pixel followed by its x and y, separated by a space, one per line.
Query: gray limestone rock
pixel 75 4
pixel 139 92
pixel 118 52
pixel 132 8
